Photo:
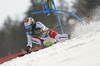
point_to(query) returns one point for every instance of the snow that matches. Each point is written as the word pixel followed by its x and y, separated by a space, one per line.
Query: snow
pixel 83 50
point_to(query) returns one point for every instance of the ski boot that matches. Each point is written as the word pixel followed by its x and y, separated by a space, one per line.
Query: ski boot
pixel 69 36
pixel 48 44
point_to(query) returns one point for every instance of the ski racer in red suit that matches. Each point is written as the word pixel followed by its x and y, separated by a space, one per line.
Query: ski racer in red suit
pixel 38 33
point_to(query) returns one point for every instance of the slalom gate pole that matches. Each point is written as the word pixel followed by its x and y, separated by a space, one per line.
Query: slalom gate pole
pixel 60 11
pixel 69 13
pixel 58 17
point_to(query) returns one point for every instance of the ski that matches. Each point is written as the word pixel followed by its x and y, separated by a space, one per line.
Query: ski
pixel 20 55
pixel 45 46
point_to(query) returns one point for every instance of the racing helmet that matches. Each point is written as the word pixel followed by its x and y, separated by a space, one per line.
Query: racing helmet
pixel 29 22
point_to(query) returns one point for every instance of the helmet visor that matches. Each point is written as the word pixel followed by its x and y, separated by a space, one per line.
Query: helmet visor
pixel 28 27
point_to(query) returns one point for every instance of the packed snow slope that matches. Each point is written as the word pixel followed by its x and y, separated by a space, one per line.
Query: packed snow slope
pixel 82 50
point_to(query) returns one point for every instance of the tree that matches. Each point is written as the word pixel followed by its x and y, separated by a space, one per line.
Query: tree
pixel 10 38
pixel 85 7
pixel 63 6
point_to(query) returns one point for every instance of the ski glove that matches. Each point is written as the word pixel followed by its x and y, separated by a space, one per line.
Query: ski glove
pixel 28 49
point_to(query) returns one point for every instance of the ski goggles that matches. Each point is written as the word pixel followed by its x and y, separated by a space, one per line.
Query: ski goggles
pixel 28 27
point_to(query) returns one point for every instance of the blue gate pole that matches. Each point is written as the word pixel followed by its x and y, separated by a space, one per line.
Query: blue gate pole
pixel 58 18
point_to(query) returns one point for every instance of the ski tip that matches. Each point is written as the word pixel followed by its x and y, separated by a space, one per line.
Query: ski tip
pixel 21 55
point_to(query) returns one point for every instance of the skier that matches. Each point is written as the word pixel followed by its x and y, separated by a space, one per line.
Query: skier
pixel 38 33
pixel 48 5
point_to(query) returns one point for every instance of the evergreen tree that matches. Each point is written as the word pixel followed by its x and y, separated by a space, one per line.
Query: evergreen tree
pixel 10 38
pixel 85 7
pixel 81 8
pixel 63 6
